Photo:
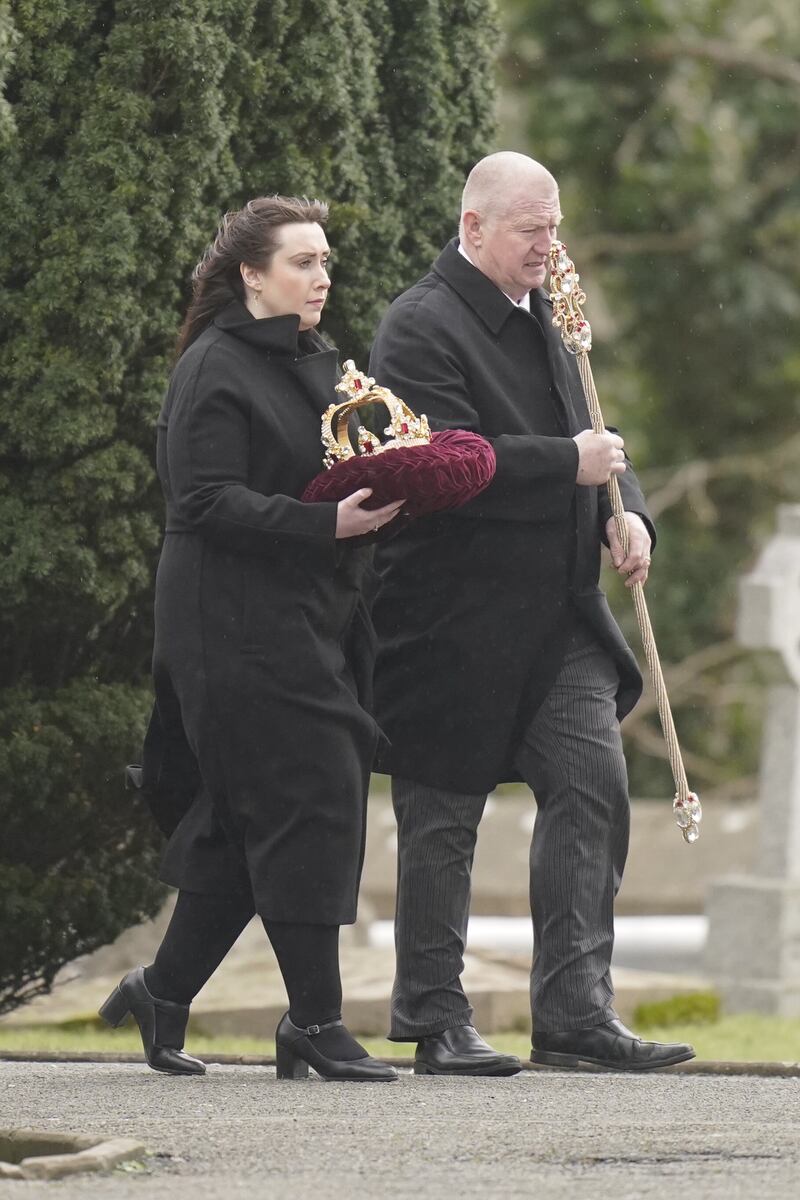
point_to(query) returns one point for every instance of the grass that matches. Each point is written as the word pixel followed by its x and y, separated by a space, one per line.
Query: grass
pixel 733 1038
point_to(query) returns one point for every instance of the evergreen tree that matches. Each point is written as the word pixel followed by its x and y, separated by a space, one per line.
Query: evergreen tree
pixel 6 55
pixel 126 130
pixel 397 104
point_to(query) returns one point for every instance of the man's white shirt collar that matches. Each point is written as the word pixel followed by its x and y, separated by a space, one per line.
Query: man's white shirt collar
pixel 525 302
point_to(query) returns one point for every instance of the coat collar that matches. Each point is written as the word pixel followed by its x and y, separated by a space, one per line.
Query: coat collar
pixel 478 291
pixel 474 288
pixel 305 354
pixel 494 309
pixel 276 335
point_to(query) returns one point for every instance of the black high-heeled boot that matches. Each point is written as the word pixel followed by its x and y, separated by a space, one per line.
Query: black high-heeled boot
pixel 162 1024
pixel 295 1053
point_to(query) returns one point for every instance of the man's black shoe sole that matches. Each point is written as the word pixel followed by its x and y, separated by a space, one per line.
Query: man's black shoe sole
pixel 421 1068
pixel 549 1058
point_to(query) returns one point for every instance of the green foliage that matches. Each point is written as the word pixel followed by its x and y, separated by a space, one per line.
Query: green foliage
pixel 380 107
pixel 126 130
pixel 691 1008
pixel 7 39
pixel 672 127
pixel 77 852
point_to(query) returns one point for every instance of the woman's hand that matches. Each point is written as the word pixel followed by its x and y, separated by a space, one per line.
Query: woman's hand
pixel 353 521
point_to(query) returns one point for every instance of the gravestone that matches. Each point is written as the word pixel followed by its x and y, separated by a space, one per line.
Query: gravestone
pixel 753 950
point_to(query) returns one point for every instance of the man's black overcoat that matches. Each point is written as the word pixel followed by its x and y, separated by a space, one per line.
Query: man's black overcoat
pixel 474 607
pixel 264 646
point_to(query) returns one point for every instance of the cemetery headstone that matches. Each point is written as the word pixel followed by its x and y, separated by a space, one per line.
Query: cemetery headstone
pixel 753 949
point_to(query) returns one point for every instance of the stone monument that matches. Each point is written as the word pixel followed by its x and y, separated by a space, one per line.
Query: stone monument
pixel 753 949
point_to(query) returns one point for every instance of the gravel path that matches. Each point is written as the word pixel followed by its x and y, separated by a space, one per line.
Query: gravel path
pixel 238 1132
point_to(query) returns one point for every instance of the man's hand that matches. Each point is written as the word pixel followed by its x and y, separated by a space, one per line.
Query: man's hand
pixel 636 563
pixel 600 455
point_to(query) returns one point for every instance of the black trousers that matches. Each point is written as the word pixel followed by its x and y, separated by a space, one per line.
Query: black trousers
pixel 572 759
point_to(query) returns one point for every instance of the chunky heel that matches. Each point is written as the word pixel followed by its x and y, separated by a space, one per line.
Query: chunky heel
pixel 116 1009
pixel 162 1024
pixel 288 1065
pixel 295 1052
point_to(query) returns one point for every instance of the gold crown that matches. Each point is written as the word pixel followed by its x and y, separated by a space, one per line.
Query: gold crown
pixel 404 429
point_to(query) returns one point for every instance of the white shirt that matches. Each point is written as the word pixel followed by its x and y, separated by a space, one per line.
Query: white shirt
pixel 525 302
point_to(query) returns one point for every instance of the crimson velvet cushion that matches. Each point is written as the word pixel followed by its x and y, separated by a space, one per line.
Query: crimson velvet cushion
pixel 446 472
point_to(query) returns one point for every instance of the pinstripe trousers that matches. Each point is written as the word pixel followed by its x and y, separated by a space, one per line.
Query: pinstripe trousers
pixel 571 757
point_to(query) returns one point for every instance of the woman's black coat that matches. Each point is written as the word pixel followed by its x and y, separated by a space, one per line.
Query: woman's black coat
pixel 263 642
pixel 474 605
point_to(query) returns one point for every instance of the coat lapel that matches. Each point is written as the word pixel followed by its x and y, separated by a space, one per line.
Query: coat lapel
pixel 474 288
pixel 561 368
pixel 494 309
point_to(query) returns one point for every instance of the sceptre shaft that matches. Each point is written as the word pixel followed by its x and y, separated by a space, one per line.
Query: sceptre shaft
pixel 567 297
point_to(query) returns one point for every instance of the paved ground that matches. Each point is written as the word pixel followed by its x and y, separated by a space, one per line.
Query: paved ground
pixel 238 1132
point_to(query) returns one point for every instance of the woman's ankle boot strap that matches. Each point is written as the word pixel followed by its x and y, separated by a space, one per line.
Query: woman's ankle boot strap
pixel 313 1030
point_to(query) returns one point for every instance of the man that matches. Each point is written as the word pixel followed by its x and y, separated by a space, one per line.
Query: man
pixel 499 658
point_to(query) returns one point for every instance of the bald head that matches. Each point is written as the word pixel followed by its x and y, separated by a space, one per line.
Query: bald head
pixel 509 216
pixel 499 180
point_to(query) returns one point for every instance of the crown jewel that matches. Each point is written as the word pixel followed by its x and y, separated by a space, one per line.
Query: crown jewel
pixel 404 429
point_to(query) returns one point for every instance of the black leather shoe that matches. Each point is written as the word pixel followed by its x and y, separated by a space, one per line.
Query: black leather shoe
pixel 610 1045
pixel 295 1052
pixel 461 1051
pixel 162 1024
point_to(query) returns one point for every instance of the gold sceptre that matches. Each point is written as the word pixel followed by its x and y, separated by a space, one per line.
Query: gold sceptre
pixel 567 297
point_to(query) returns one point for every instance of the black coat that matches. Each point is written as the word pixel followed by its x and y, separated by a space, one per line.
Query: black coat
pixel 263 649
pixel 475 604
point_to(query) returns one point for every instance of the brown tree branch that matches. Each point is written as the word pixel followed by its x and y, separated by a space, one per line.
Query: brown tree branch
pixel 691 480
pixel 682 679
pixel 690 680
pixel 650 742
pixel 765 64
pixel 616 245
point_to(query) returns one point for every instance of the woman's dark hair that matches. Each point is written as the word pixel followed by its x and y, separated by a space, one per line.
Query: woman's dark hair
pixel 249 235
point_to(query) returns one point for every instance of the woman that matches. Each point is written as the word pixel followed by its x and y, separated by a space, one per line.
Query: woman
pixel 262 651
